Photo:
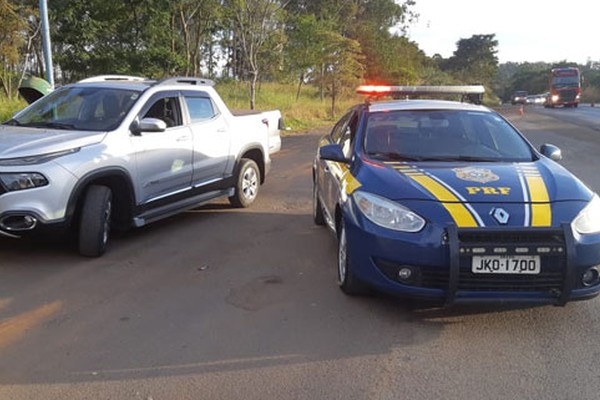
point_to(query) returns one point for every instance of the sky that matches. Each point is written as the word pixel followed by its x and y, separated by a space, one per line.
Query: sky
pixel 526 30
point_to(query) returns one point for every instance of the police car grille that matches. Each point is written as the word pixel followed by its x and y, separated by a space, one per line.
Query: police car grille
pixel 540 238
pixel 551 276
pixel 545 281
pixel 437 278
pixel 548 243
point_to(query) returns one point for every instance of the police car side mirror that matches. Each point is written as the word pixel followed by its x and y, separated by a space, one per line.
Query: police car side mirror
pixel 551 151
pixel 333 152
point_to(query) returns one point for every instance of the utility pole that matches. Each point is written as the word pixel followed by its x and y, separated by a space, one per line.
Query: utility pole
pixel 46 42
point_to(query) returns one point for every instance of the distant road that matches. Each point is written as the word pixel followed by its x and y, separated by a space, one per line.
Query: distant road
pixel 584 115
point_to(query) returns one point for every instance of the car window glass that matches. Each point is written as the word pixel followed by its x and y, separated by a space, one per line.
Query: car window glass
pixel 444 135
pixel 348 135
pixel 167 110
pixel 80 108
pixel 338 129
pixel 200 108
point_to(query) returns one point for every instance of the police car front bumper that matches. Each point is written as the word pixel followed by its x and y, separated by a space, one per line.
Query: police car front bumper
pixel 436 264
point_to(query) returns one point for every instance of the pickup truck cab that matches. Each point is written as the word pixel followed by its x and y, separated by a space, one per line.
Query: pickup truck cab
pixel 119 152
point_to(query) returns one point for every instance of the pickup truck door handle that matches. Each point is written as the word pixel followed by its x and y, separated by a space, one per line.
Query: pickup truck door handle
pixel 222 130
pixel 183 138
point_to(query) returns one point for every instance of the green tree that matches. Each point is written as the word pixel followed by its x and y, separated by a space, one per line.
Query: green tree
pixel 343 65
pixel 305 47
pixel 18 28
pixel 131 37
pixel 254 22
pixel 475 60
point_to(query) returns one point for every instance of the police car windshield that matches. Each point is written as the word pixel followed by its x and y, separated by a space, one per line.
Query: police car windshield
pixel 78 108
pixel 444 135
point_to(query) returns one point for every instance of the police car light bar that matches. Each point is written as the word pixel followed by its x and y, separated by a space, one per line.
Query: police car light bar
pixel 420 90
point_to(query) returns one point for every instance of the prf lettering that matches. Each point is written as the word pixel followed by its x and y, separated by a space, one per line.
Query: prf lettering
pixel 488 190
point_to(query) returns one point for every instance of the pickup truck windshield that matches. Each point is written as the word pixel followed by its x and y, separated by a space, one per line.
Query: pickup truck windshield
pixel 78 108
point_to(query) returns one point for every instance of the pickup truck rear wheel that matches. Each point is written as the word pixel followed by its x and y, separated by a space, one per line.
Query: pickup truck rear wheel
pixel 246 185
pixel 94 222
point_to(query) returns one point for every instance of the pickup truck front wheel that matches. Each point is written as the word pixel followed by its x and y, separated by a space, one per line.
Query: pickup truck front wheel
pixel 94 223
pixel 246 185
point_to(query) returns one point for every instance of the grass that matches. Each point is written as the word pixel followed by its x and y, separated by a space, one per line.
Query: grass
pixel 8 107
pixel 308 112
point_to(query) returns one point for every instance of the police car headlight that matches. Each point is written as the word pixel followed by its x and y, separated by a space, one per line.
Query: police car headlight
pixel 387 214
pixel 588 220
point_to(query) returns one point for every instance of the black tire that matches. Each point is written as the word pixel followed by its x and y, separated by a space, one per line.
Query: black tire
pixel 347 281
pixel 247 184
pixel 318 216
pixel 94 221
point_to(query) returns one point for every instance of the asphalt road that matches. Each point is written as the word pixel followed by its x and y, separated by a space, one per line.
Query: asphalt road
pixel 219 303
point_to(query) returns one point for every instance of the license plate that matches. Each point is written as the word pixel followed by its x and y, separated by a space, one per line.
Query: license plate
pixel 508 264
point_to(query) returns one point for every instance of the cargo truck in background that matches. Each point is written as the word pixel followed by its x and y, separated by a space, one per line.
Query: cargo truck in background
pixel 564 88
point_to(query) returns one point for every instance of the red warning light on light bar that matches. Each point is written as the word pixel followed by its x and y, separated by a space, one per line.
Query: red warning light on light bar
pixel 373 90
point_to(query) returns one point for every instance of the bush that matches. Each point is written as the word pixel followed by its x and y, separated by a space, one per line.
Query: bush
pixel 590 94
pixel 8 107
pixel 305 113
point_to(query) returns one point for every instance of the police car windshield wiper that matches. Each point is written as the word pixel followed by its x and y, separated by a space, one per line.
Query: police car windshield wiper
pixel 460 158
pixel 390 155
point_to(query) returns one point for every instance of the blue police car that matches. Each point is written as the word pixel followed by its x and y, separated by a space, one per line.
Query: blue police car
pixel 446 200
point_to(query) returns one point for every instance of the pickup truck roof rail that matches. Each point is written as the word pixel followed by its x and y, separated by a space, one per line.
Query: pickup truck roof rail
pixel 186 80
pixel 116 78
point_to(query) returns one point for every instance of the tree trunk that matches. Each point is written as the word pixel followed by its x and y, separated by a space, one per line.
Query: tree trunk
pixel 333 96
pixel 253 81
pixel 322 83
pixel 299 86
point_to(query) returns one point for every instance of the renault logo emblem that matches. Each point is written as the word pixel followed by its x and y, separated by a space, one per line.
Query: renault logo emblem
pixel 500 215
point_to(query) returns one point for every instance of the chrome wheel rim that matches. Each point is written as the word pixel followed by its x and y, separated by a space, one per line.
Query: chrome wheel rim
pixel 250 183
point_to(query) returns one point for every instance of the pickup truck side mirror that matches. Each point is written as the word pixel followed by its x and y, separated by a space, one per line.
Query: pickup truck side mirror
pixel 551 151
pixel 148 125
pixel 333 152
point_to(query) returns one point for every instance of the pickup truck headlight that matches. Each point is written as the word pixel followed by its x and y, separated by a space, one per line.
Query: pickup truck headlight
pixel 588 220
pixel 23 180
pixel 388 214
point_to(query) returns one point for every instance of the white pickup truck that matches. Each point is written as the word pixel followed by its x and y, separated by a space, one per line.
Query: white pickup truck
pixel 116 152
